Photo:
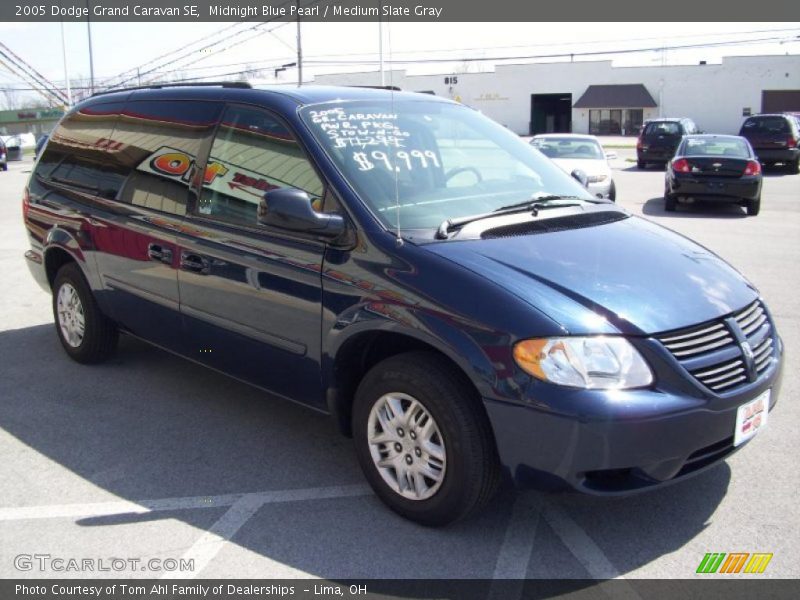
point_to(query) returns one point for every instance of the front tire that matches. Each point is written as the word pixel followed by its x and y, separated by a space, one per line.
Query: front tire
pixel 423 439
pixel 640 164
pixel 612 192
pixel 86 334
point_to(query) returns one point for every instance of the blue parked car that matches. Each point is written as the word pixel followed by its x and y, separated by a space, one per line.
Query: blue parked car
pixel 462 308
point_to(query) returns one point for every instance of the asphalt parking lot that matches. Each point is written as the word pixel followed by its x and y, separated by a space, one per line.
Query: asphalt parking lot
pixel 152 457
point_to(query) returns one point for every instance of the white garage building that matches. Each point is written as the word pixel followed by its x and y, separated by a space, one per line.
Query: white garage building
pixel 595 97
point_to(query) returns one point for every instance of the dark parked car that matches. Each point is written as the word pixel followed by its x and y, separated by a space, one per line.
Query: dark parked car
pixel 460 306
pixel 3 156
pixel 40 143
pixel 775 139
pixel 718 168
pixel 659 138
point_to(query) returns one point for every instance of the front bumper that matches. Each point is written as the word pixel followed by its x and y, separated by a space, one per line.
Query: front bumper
pixel 601 188
pixel 617 442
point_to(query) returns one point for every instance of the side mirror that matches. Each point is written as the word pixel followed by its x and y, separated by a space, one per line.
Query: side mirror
pixel 581 177
pixel 290 209
pixel 611 155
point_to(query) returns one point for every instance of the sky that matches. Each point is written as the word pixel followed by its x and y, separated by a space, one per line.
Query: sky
pixel 124 46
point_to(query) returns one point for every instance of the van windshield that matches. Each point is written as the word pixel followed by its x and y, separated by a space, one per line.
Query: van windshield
pixel 420 162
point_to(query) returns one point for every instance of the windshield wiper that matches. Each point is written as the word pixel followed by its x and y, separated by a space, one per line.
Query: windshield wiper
pixel 532 205
pixel 535 202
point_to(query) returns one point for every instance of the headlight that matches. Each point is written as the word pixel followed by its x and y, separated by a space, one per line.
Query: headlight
pixel 597 178
pixel 585 362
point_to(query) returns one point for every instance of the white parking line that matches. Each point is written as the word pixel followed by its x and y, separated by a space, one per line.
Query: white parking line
pixel 102 509
pixel 586 551
pixel 515 553
pixel 212 541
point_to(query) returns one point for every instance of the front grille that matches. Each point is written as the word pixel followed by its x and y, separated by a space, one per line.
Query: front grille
pixel 712 352
pixel 698 341
pixel 724 376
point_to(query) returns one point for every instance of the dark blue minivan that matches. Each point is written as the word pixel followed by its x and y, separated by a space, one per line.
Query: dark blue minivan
pixel 462 308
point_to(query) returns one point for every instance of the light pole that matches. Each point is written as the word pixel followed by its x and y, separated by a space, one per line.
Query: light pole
pixel 380 44
pixel 66 69
pixel 299 50
pixel 91 56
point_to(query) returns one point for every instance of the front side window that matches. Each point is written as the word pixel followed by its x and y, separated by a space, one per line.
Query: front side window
pixel 252 154
pixel 421 162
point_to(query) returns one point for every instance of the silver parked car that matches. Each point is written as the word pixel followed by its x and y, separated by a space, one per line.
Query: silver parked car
pixel 572 151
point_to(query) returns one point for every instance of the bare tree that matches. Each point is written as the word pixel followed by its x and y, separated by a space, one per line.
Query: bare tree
pixel 10 99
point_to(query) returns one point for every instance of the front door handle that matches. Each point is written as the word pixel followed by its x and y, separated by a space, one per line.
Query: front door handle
pixel 159 253
pixel 195 263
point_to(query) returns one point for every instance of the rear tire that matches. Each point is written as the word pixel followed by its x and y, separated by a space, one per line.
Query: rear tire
pixel 86 334
pixel 793 167
pixel 669 201
pixel 640 164
pixel 753 207
pixel 398 405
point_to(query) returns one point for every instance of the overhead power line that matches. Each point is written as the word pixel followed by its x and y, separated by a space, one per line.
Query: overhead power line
pixel 41 84
pixel 209 47
pixel 264 65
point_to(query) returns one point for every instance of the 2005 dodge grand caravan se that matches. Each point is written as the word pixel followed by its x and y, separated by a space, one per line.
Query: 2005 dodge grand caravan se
pixel 462 308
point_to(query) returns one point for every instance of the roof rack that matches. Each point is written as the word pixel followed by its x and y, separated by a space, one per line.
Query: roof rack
pixel 392 88
pixel 157 86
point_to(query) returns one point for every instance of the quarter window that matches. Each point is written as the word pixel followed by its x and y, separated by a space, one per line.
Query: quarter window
pixel 158 143
pixel 77 154
pixel 252 154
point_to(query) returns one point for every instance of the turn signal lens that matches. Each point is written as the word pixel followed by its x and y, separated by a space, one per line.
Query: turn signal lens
pixel 681 166
pixel 753 168
pixel 584 362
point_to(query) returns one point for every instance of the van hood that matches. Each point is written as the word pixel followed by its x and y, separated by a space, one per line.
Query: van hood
pixel 630 276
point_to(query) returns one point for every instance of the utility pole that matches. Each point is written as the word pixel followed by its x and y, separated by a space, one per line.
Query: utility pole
pixel 299 50
pixel 91 56
pixel 66 69
pixel 380 44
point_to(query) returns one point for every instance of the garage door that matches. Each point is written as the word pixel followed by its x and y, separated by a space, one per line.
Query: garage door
pixel 776 101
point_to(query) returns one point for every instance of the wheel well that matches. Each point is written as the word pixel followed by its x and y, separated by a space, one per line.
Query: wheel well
pixel 54 259
pixel 355 359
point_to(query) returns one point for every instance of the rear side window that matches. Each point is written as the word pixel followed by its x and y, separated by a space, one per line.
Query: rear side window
pixel 157 142
pixel 253 153
pixel 766 125
pixel 663 128
pixel 77 154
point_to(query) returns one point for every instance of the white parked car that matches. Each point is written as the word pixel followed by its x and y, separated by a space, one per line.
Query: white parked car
pixel 572 151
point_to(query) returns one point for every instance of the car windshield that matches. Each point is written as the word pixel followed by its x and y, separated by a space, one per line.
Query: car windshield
pixel 420 162
pixel 716 147
pixel 662 128
pixel 569 148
